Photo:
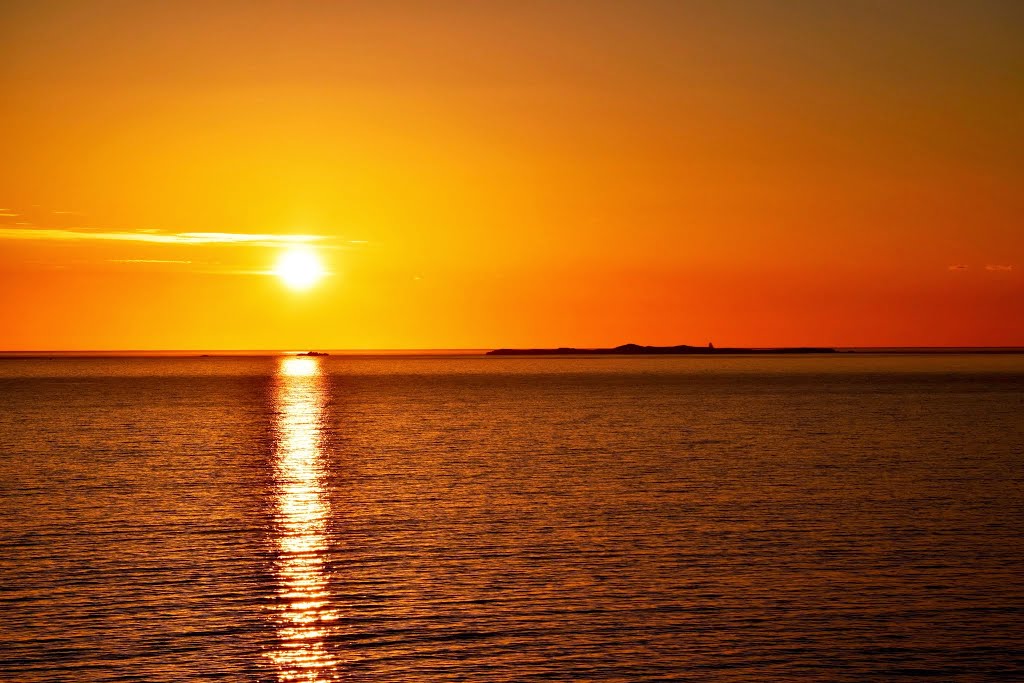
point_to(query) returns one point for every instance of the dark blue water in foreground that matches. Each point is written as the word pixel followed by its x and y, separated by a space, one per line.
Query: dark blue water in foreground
pixel 839 518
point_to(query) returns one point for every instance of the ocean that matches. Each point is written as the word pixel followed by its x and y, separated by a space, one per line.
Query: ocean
pixel 842 517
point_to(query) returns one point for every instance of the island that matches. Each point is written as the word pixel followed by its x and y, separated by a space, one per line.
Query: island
pixel 313 353
pixel 638 350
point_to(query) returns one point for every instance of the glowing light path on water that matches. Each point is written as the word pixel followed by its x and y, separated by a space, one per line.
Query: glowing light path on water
pixel 303 612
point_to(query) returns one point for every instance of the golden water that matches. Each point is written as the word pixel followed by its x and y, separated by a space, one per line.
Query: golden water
pixel 451 519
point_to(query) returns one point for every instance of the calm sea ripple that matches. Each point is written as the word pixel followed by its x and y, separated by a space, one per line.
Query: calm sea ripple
pixel 512 519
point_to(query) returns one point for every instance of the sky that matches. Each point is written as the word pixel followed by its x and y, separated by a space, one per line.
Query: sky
pixel 487 174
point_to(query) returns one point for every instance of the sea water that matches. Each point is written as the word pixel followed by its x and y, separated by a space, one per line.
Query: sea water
pixel 834 517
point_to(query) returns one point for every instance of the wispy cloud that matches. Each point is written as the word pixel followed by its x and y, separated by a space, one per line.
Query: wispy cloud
pixel 145 260
pixel 959 266
pixel 996 267
pixel 157 237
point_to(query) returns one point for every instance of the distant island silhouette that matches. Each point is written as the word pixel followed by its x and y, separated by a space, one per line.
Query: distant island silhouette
pixel 638 350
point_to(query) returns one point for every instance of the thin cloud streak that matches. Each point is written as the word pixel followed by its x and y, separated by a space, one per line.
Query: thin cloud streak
pixel 253 239
pixel 145 260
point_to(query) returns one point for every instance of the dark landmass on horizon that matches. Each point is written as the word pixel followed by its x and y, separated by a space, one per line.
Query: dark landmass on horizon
pixel 638 350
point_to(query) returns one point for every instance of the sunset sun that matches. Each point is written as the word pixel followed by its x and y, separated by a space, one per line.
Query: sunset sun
pixel 299 268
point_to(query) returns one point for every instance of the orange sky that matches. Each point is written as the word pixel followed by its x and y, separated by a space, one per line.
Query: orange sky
pixel 511 173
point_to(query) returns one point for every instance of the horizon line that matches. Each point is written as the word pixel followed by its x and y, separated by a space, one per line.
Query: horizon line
pixel 448 351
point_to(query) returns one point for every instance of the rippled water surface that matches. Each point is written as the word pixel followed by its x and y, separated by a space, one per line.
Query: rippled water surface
pixel 512 519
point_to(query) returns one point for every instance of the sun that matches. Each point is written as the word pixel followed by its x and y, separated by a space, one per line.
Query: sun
pixel 299 268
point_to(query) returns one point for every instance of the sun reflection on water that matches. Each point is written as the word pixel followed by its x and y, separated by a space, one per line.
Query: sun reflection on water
pixel 304 612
